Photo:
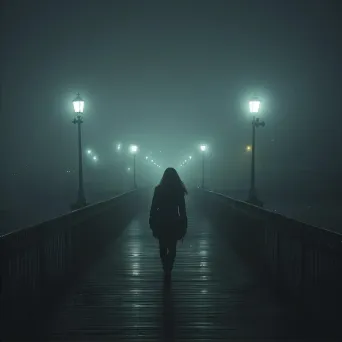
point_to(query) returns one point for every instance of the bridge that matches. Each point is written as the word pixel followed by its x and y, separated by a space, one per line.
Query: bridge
pixel 241 273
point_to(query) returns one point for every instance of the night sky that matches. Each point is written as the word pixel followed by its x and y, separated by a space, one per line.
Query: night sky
pixel 170 74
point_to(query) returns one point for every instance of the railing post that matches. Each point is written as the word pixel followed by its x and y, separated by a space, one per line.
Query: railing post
pixel 42 266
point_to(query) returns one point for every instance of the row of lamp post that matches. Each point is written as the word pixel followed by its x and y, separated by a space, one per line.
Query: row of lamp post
pixel 134 149
pixel 254 108
pixel 92 155
pixel 78 104
pixel 152 161
pixel 203 148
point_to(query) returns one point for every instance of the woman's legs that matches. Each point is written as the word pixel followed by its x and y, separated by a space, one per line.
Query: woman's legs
pixel 163 251
pixel 172 253
pixel 167 252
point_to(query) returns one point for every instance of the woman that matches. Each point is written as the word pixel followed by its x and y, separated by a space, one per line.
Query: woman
pixel 168 219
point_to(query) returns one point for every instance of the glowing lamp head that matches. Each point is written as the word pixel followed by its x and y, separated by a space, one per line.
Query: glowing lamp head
pixel 118 147
pixel 248 148
pixel 134 148
pixel 89 151
pixel 203 148
pixel 78 105
pixel 254 106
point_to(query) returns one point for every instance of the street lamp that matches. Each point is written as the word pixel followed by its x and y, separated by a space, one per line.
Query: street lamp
pixel 254 107
pixel 203 150
pixel 78 109
pixel 248 148
pixel 134 150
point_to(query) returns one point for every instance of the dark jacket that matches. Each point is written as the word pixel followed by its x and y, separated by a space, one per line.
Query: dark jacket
pixel 168 211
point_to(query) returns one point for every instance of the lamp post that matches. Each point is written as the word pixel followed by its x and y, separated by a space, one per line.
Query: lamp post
pixel 78 109
pixel 248 148
pixel 120 164
pixel 203 149
pixel 254 106
pixel 134 150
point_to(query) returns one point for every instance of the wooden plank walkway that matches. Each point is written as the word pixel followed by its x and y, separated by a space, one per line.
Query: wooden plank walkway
pixel 213 296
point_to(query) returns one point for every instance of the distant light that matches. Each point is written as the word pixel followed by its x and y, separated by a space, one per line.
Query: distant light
pixel 118 147
pixel 152 161
pixel 134 148
pixel 78 104
pixel 254 106
pixel 190 157
pixel 89 152
pixel 128 169
pixel 248 148
pixel 185 161
pixel 95 158
pixel 203 148
pixel 146 157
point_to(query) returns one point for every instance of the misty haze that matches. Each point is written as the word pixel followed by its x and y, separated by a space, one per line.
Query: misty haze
pixel 167 77
pixel 241 98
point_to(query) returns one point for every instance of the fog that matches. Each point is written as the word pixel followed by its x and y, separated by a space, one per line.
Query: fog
pixel 168 76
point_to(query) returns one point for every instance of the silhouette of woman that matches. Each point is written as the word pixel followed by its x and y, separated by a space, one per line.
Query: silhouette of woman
pixel 168 219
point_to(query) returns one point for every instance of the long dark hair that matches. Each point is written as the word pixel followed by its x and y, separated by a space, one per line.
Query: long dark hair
pixel 172 180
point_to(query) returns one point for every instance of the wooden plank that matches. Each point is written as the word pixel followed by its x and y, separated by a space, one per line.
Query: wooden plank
pixel 212 295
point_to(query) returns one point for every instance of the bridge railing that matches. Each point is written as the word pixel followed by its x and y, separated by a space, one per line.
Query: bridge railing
pixel 38 262
pixel 304 262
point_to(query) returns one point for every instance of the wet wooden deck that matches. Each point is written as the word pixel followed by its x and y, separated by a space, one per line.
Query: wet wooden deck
pixel 213 296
